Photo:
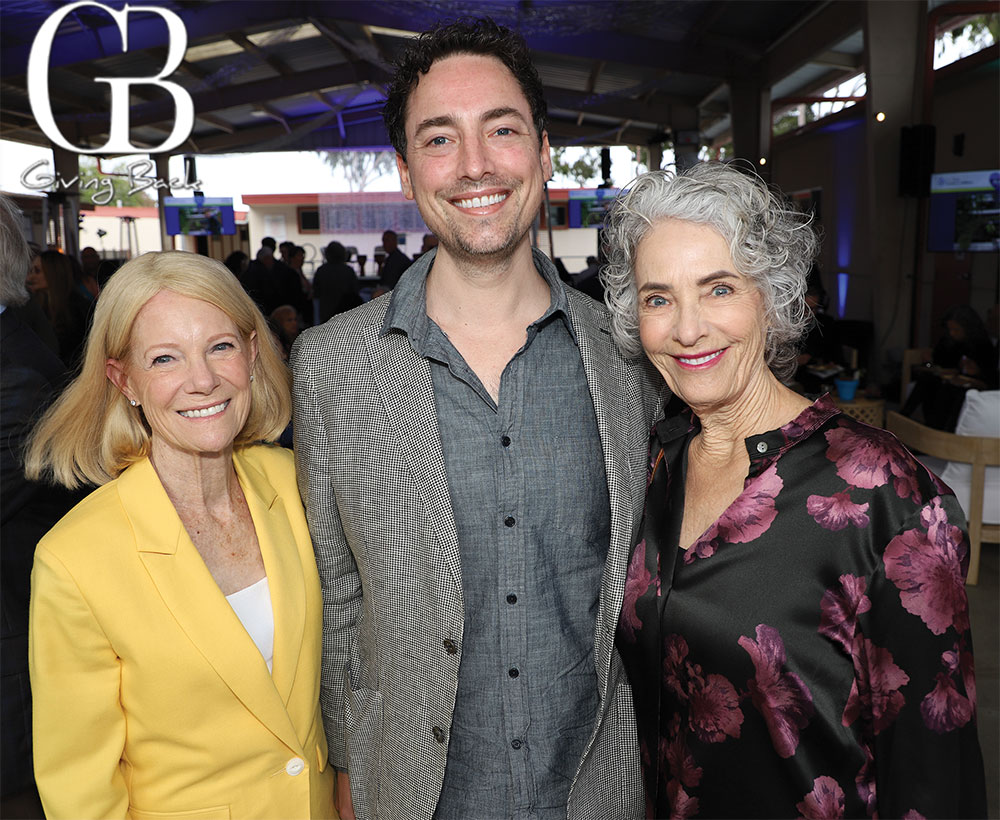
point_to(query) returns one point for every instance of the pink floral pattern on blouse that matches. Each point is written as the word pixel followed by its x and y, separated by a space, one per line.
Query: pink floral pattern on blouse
pixel 713 703
pixel 837 511
pixel 825 801
pixel 815 632
pixel 747 518
pixel 780 696
pixel 638 581
pixel 928 566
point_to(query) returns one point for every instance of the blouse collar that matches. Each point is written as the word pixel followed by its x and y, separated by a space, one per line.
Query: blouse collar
pixel 680 421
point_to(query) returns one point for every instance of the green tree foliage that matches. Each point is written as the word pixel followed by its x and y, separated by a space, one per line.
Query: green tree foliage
pixel 584 171
pixel 789 121
pixel 974 34
pixel 93 184
pixel 361 167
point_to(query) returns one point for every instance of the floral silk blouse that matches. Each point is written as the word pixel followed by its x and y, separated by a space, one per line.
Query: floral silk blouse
pixel 809 655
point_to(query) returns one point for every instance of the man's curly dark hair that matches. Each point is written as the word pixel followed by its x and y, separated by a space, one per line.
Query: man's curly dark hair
pixel 468 36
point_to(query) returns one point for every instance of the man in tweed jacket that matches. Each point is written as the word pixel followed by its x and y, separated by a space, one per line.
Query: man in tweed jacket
pixel 471 452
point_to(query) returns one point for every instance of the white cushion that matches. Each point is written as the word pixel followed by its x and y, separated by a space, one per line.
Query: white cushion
pixel 980 416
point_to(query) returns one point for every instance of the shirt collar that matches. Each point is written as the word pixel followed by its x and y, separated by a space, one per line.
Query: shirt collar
pixel 407 312
pixel 680 421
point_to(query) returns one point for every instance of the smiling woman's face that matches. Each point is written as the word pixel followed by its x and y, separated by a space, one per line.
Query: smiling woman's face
pixel 189 368
pixel 701 322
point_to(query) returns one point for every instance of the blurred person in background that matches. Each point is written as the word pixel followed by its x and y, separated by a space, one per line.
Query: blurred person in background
pixel 67 309
pixel 335 284
pixel 87 281
pixel 395 261
pixel 31 375
pixel 237 262
pixel 963 357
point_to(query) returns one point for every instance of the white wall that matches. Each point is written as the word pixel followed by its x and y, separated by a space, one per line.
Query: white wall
pixel 144 230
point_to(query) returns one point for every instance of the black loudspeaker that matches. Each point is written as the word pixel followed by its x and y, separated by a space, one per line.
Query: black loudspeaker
pixel 606 164
pixel 916 159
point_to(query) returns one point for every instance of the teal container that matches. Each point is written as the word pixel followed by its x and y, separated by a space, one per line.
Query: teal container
pixel 846 388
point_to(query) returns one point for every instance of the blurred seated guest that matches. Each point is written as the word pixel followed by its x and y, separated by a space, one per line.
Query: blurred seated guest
pixel 395 263
pixel 963 357
pixel 31 312
pixel 90 261
pixel 293 287
pixel 562 270
pixel 259 281
pixel 430 241
pixel 286 321
pixel 53 287
pixel 31 375
pixel 175 621
pixel 237 262
pixel 592 269
pixel 106 271
pixel 335 284
pixel 305 305
pixel 820 348
pixel 795 626
pixel 589 281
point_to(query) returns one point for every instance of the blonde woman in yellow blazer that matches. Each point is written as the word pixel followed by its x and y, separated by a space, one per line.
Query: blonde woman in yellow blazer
pixel 176 627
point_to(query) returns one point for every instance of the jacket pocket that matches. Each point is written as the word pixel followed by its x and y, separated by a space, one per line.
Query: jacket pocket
pixel 214 813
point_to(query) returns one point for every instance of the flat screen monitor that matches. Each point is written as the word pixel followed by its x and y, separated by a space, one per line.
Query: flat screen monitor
pixel 199 216
pixel 964 212
pixel 586 206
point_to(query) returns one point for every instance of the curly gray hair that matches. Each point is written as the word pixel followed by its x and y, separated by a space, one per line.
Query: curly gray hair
pixel 771 243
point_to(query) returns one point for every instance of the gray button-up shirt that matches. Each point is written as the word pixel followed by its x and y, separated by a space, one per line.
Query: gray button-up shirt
pixel 530 499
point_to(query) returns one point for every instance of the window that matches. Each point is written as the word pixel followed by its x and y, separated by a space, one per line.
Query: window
pixel 308 219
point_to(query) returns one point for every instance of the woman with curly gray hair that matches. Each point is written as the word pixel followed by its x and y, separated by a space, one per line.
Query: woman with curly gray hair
pixel 794 625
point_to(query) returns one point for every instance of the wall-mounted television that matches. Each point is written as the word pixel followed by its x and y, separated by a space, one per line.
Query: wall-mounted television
pixel 964 212
pixel 586 206
pixel 199 215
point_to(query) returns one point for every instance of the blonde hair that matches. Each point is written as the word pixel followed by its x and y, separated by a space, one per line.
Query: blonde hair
pixel 91 433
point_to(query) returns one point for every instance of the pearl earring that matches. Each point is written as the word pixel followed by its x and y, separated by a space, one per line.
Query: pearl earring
pixel 251 377
pixel 132 402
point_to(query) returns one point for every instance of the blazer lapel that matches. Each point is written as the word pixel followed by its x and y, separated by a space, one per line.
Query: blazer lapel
pixel 618 406
pixel 406 388
pixel 196 601
pixel 283 565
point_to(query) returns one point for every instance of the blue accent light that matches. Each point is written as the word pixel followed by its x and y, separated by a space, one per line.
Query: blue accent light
pixel 843 280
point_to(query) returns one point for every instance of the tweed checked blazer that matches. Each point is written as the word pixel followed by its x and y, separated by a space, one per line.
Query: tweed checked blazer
pixel 372 475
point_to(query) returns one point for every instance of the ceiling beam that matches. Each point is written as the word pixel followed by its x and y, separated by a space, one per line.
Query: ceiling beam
pixel 609 105
pixel 217 99
pixel 817 35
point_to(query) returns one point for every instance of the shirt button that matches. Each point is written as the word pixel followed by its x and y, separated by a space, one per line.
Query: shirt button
pixel 512 599
pixel 509 521
pixel 438 734
pixel 295 766
pixel 450 647
pixel 505 441
pixel 761 447
pixel 513 673
pixel 516 743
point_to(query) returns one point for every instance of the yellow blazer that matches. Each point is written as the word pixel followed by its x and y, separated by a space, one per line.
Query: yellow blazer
pixel 150 698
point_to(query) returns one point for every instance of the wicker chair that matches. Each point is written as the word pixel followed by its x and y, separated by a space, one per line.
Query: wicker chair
pixel 979 451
